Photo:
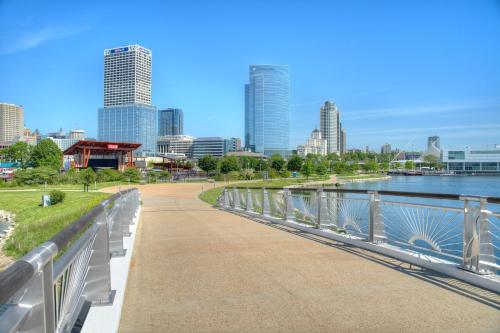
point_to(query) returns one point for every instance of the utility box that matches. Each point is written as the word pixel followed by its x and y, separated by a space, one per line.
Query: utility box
pixel 45 200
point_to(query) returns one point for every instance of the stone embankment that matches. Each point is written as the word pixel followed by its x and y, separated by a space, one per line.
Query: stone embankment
pixel 6 229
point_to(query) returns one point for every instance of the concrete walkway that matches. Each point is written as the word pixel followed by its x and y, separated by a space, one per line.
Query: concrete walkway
pixel 198 269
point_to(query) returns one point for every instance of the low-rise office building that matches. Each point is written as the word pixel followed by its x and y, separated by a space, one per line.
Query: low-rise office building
pixel 175 144
pixel 215 146
pixel 472 160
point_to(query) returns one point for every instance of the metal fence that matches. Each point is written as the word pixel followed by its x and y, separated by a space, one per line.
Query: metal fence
pixel 440 228
pixel 45 293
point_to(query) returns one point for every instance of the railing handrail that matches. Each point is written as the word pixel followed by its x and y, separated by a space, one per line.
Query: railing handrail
pixel 21 271
pixel 424 195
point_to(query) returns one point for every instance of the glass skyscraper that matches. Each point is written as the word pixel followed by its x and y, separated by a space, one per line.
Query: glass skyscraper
pixel 170 122
pixel 127 115
pixel 267 109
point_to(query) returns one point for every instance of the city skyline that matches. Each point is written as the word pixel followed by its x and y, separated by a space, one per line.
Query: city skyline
pixel 400 88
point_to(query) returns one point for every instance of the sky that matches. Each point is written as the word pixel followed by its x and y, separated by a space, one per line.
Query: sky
pixel 399 71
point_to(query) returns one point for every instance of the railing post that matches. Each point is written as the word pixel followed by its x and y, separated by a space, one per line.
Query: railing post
pixel 322 212
pixel 376 230
pixel 98 280
pixel 114 217
pixel 38 294
pixel 236 198
pixel 289 210
pixel 266 211
pixel 478 255
pixel 249 207
pixel 227 203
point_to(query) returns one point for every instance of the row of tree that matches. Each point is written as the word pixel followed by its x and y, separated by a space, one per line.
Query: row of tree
pixel 44 154
pixel 312 164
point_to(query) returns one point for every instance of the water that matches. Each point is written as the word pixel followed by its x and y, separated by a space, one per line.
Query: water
pixel 471 185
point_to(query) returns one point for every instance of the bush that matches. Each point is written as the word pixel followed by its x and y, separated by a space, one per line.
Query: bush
pixel 131 174
pixel 108 175
pixel 284 173
pixel 39 175
pixel 56 196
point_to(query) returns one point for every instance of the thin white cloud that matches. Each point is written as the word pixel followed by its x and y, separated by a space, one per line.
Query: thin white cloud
pixel 39 37
pixel 416 110
pixel 478 128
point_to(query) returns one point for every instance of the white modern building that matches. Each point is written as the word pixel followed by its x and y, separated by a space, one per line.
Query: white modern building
pixel 127 76
pixel 330 126
pixel 77 134
pixel 175 144
pixel 127 115
pixel 11 123
pixel 314 145
pixel 64 143
pixel 472 160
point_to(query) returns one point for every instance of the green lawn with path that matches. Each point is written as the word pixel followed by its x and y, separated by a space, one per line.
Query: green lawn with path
pixel 35 224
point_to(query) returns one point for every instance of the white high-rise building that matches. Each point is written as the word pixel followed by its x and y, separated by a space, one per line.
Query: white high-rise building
pixel 330 126
pixel 11 123
pixel 127 76
pixel 127 115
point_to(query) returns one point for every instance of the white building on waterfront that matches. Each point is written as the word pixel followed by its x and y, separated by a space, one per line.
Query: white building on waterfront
pixel 314 145
pixel 472 160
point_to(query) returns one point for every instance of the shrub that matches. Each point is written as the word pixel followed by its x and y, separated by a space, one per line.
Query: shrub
pixel 108 175
pixel 56 196
pixel 132 175
pixel 284 173
pixel 39 175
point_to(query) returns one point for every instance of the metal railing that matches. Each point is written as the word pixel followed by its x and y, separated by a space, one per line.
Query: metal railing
pixel 439 228
pixel 42 293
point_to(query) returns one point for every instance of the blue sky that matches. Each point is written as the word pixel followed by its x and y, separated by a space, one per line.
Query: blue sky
pixel 398 70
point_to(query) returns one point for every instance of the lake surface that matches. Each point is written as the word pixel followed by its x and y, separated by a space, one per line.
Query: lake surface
pixel 471 185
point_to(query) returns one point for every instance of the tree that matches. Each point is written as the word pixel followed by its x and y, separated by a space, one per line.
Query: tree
pixel 339 167
pixel 87 176
pixel 409 165
pixel 165 175
pixel 396 165
pixel 307 168
pixel 384 166
pixel 48 154
pixel 294 163
pixel 229 163
pixel 277 162
pixel 18 152
pixel 207 163
pixel 261 165
pixel 431 160
pixel 370 166
pixel 321 169
pixel 131 174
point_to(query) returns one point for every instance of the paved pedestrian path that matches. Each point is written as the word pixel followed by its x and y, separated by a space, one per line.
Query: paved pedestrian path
pixel 199 269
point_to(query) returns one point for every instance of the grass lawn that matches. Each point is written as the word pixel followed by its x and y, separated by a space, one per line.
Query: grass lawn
pixel 42 187
pixel 210 196
pixel 35 224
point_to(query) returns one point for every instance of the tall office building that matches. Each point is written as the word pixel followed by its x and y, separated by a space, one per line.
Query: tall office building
pixel 127 115
pixel 11 123
pixel 170 122
pixel 434 146
pixel 343 140
pixel 267 109
pixel 385 149
pixel 330 126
